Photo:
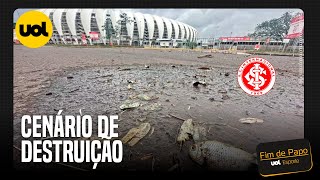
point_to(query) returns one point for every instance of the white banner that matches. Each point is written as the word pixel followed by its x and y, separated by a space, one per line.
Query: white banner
pixel 296 27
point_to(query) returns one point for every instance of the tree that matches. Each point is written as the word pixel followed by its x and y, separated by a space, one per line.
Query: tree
pixel 118 28
pixel 122 22
pixel 107 27
pixel 275 28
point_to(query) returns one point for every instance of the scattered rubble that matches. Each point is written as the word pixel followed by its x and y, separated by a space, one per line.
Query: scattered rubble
pixel 125 69
pixel 186 130
pixel 225 97
pixel 205 56
pixel 204 68
pixel 129 105
pixel 144 97
pixel 135 134
pixel 195 84
pixel 250 120
pixel 153 107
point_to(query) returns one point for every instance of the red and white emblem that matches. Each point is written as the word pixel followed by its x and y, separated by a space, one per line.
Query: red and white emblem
pixel 256 76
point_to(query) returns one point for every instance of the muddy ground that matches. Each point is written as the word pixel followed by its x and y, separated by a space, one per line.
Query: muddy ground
pixel 99 85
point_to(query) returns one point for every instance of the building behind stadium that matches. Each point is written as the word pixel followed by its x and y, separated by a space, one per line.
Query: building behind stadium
pixel 120 27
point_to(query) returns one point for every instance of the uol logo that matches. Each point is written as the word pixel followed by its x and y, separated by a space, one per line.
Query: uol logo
pixel 275 163
pixel 32 30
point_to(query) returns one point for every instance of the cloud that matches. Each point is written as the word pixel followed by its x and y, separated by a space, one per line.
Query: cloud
pixel 220 22
pixel 214 22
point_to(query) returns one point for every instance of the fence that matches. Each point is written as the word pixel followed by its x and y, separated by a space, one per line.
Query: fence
pixel 294 46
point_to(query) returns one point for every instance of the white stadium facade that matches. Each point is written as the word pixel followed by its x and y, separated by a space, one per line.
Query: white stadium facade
pixel 90 26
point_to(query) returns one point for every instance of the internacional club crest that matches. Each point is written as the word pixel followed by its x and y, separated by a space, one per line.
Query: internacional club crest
pixel 256 76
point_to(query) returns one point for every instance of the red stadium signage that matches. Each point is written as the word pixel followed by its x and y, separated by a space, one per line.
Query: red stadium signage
pixel 296 27
pixel 257 47
pixel 94 35
pixel 225 39
pixel 84 39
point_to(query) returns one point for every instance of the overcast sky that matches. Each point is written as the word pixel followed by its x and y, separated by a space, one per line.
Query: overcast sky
pixel 213 22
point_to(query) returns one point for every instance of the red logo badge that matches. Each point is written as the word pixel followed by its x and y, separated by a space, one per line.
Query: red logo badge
pixel 256 76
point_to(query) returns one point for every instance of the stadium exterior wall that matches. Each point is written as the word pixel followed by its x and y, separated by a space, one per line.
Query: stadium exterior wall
pixel 71 25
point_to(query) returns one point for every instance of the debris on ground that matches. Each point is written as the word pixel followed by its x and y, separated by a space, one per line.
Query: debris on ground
pixel 153 107
pixel 269 106
pixel 250 120
pixel 199 75
pixel 135 134
pixel 222 91
pixel 129 86
pixel 146 157
pixel 49 93
pixel 125 69
pixel 226 74
pixel 69 77
pixel 247 113
pixel 74 90
pixel 108 75
pixel 204 68
pixel 144 97
pixel 176 117
pixel 151 132
pixel 206 56
pixel 169 85
pixel 243 53
pixel 186 130
pixel 211 99
pixel 225 97
pixel 199 133
pixel 173 66
pixel 195 84
pixel 129 105
pixel 194 98
pixel 146 66
pixel 230 158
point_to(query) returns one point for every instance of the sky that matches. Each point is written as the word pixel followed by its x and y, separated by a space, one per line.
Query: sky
pixel 212 22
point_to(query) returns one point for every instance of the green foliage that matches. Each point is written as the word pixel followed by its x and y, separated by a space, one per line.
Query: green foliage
pixel 275 28
pixel 107 27
pixel 116 30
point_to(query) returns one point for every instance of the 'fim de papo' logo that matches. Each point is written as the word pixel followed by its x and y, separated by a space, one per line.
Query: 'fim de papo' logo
pixel 284 157
pixel 33 29
pixel 256 76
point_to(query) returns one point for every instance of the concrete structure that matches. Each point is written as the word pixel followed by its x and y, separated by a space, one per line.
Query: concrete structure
pixel 75 26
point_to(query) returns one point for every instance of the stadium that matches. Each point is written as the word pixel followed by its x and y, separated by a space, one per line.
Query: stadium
pixel 113 26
